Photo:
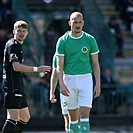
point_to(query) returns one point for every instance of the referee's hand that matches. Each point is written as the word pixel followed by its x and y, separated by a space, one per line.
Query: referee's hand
pixel 44 69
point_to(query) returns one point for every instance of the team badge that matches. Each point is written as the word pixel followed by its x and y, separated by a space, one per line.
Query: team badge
pixel 84 49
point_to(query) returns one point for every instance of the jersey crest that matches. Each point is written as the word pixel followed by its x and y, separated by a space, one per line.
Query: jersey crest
pixel 84 49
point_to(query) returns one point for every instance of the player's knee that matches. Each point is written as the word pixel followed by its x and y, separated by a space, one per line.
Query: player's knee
pixel 25 118
pixel 73 114
pixel 13 117
pixel 28 118
pixel 74 117
pixel 84 113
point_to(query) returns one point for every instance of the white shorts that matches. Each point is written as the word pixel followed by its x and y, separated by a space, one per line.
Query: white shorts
pixel 63 102
pixel 81 90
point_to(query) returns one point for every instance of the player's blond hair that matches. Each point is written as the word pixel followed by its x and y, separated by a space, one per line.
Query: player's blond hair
pixel 20 23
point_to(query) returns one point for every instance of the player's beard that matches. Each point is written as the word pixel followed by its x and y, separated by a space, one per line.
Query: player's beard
pixel 77 31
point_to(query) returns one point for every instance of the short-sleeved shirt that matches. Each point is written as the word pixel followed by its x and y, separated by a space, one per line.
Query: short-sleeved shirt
pixel 12 79
pixel 77 53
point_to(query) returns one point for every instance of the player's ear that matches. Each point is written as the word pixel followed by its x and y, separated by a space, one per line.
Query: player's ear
pixel 69 23
pixel 13 32
pixel 83 23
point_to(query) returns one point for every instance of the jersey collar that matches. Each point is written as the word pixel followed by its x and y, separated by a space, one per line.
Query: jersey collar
pixel 76 37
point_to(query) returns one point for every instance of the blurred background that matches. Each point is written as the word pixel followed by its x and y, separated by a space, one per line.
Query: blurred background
pixel 110 22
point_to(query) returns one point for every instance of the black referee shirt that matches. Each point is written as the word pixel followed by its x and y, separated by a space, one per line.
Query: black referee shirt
pixel 13 80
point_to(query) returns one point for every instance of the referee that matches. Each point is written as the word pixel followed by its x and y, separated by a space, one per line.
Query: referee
pixel 14 96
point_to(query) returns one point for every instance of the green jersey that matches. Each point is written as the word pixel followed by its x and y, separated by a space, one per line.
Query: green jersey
pixel 77 52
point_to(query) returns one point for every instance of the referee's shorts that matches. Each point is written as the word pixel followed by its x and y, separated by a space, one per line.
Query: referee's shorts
pixel 15 101
pixel 14 95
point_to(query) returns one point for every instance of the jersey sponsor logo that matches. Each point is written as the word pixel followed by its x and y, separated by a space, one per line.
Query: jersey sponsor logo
pixel 13 56
pixel 84 49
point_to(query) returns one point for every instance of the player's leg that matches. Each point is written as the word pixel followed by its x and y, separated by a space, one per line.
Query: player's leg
pixel 84 119
pixel 85 102
pixel 24 115
pixel 63 102
pixel 73 112
pixel 66 120
pixel 70 82
pixel 11 103
pixel 78 118
pixel 73 127
pixel 10 123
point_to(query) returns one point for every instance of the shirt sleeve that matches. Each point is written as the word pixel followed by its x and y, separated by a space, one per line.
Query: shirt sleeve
pixel 94 47
pixel 60 47
pixel 13 53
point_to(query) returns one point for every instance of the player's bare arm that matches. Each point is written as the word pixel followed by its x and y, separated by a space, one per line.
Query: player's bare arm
pixel 53 84
pixel 23 68
pixel 60 64
pixel 96 68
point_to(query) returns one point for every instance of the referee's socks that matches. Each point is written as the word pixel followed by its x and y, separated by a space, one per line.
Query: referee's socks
pixel 19 126
pixel 9 126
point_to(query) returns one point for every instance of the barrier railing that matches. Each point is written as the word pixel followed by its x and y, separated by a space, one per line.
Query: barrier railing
pixel 112 99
